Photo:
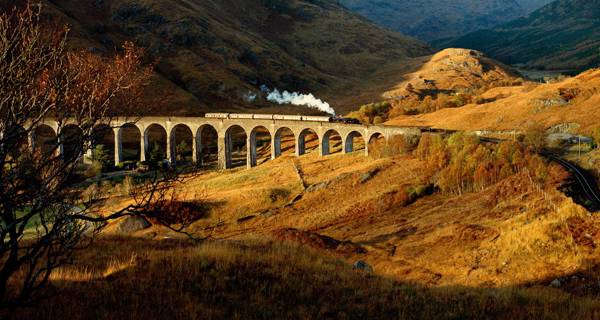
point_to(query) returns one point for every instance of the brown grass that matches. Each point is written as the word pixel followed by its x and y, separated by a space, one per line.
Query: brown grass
pixel 145 279
pixel 520 106
pixel 440 255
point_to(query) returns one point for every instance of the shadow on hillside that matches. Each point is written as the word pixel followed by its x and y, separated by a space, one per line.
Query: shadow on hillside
pixel 259 280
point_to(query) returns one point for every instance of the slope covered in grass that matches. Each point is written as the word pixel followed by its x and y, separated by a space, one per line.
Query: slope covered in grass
pixel 215 55
pixel 147 279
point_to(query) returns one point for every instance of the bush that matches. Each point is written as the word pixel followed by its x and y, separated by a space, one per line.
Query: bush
pixel 373 113
pixel 279 194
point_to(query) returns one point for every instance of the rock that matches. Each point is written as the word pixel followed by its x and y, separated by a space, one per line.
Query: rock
pixel 131 224
pixel 555 283
pixel 363 266
pixel 317 187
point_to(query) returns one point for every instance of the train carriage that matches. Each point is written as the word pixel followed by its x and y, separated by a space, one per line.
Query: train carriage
pixel 316 118
pixel 241 116
pixel 263 116
pixel 287 117
pixel 217 115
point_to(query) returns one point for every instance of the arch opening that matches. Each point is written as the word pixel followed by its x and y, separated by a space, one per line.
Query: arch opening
pixel 284 142
pixel 182 144
pixel 103 145
pixel 354 142
pixel 260 146
pixel 71 138
pixel 332 143
pixel 130 137
pixel 46 140
pixel 208 145
pixel 236 148
pixel 308 141
pixel 17 141
pixel 155 140
pixel 376 142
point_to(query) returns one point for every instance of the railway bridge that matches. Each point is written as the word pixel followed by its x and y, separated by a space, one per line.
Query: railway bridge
pixel 171 127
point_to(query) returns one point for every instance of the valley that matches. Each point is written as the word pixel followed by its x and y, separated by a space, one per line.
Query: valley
pixel 270 159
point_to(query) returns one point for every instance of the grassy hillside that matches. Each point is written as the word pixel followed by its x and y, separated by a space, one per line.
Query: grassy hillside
pixel 448 79
pixel 430 20
pixel 146 279
pixel 564 35
pixel 572 102
pixel 215 55
pixel 283 237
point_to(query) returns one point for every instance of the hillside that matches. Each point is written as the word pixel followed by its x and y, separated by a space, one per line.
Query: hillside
pixel 573 102
pixel 564 35
pixel 451 71
pixel 430 20
pixel 281 239
pixel 215 55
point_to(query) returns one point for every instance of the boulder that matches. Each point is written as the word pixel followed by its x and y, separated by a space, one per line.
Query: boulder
pixel 131 224
pixel 363 266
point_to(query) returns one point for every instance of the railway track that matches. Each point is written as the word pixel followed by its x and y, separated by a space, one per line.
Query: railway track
pixel 587 184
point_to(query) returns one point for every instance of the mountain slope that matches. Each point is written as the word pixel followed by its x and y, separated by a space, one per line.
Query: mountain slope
pixel 562 35
pixel 434 19
pixel 532 5
pixel 215 55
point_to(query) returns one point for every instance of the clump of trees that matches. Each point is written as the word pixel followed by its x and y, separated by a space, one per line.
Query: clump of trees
pixel 373 113
pixel 461 164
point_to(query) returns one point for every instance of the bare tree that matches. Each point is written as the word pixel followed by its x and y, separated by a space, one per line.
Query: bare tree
pixel 42 221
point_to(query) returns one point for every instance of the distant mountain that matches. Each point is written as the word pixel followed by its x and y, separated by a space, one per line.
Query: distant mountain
pixel 215 55
pixel 532 5
pixel 435 19
pixel 564 35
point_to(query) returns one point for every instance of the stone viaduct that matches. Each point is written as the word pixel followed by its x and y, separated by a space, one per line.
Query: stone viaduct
pixel 223 128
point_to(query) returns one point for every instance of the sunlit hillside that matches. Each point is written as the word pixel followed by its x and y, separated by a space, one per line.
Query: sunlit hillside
pixel 468 254
pixel 572 102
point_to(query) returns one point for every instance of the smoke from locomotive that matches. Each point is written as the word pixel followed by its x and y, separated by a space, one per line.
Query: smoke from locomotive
pixel 297 99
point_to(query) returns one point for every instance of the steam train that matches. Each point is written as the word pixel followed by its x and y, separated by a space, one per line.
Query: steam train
pixel 281 117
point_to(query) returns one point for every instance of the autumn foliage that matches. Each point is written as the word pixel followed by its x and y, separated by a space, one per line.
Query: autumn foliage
pixel 462 164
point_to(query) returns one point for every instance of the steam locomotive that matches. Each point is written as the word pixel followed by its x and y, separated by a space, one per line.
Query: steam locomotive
pixel 334 119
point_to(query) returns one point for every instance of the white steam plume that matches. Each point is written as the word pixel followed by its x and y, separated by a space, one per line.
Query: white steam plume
pixel 298 99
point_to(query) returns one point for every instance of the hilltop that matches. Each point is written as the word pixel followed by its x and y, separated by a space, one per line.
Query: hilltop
pixel 563 35
pixel 215 55
pixel 451 71
pixel 572 102
pixel 430 20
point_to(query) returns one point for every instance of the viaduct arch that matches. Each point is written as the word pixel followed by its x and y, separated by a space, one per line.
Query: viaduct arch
pixel 199 134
